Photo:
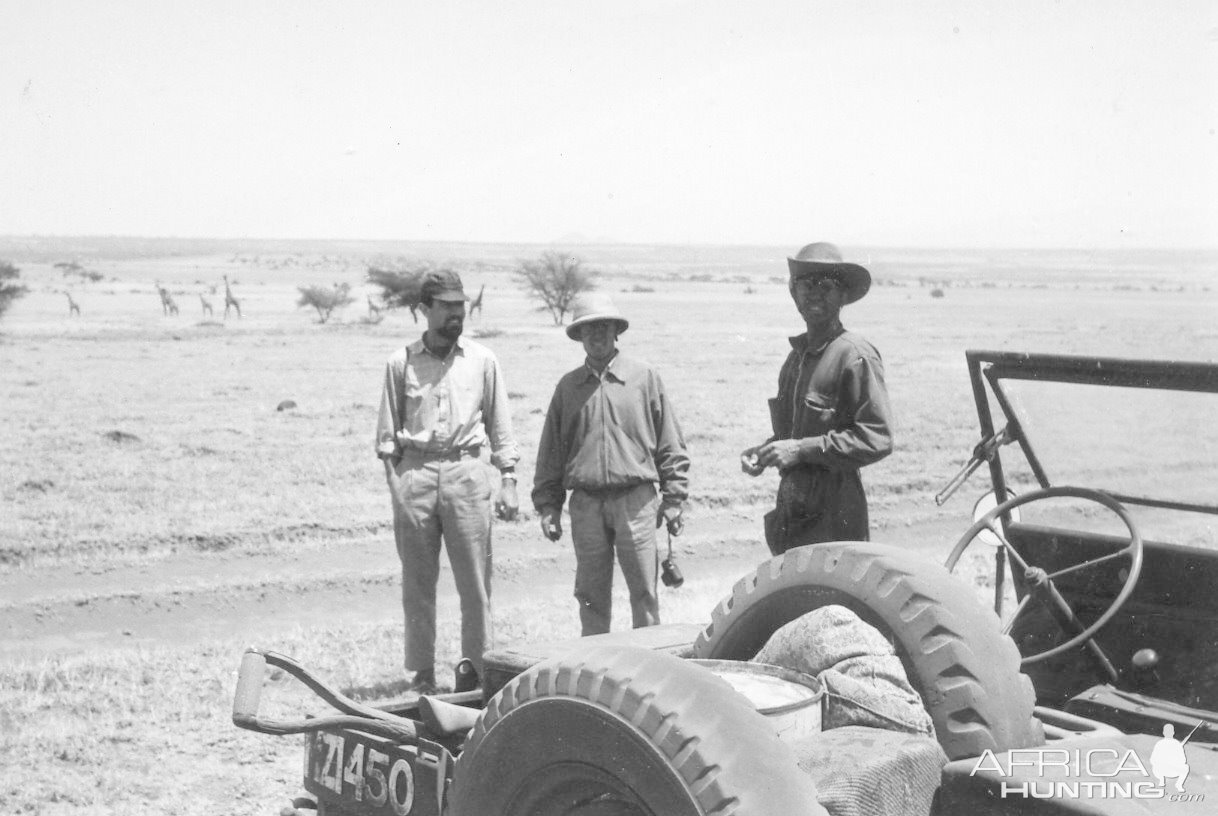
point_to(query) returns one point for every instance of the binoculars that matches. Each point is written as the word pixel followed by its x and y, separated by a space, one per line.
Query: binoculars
pixel 670 573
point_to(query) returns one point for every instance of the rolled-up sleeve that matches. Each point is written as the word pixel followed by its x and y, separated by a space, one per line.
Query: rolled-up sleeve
pixel 497 416
pixel 389 420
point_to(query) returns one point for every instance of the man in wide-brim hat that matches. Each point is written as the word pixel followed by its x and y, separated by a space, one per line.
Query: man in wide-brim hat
pixel 831 415
pixel 612 439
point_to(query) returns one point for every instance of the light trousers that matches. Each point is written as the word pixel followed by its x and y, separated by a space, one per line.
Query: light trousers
pixel 605 523
pixel 445 500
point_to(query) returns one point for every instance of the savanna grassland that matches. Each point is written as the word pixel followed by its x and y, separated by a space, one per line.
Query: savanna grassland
pixel 159 514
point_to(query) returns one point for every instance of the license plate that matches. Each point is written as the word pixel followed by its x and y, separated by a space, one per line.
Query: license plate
pixel 365 774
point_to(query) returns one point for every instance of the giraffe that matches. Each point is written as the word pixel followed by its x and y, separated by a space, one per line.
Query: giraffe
pixel 230 301
pixel 206 305
pixel 476 304
pixel 168 306
pixel 73 309
pixel 373 309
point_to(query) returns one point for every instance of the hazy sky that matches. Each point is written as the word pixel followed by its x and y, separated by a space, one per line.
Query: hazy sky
pixel 1071 124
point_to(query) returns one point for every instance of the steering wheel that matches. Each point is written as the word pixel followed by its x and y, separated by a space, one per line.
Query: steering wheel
pixel 1041 582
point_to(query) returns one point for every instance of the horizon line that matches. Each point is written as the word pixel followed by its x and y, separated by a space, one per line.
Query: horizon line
pixel 605 242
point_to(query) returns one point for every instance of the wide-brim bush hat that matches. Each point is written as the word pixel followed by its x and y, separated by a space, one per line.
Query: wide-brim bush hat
pixel 824 260
pixel 592 307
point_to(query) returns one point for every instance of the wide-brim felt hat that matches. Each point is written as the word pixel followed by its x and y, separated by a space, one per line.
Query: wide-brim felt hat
pixel 823 259
pixel 591 308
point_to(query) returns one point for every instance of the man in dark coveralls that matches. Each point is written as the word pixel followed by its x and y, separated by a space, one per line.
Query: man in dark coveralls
pixel 831 415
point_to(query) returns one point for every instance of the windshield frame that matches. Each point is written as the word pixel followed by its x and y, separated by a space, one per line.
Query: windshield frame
pixel 992 367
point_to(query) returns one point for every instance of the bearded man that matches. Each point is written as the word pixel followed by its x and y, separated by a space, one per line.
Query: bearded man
pixel 443 401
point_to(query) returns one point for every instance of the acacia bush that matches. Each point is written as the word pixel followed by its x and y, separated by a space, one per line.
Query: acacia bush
pixel 556 279
pixel 71 268
pixel 11 287
pixel 401 287
pixel 325 299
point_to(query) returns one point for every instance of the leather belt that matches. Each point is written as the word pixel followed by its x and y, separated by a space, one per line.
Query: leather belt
pixel 453 455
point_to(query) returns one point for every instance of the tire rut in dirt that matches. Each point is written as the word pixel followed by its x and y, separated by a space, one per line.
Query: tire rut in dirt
pixel 966 670
pixel 625 730
pixel 215 542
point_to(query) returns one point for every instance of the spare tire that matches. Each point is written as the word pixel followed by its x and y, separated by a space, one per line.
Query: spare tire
pixel 622 730
pixel 953 651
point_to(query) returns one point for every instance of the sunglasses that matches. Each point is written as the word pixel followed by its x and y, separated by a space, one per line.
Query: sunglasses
pixel 822 285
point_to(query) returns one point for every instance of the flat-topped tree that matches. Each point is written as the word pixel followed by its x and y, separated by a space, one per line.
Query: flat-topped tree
pixel 72 268
pixel 325 299
pixel 556 279
pixel 401 287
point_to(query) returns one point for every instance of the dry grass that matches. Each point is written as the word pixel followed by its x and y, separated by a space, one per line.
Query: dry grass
pixel 148 731
pixel 215 465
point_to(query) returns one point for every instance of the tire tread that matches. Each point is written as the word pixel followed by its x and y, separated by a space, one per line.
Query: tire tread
pixel 966 670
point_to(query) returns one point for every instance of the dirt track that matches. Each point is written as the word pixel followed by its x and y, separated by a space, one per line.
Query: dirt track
pixel 189 596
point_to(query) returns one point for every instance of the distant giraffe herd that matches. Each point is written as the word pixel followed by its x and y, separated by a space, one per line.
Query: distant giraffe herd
pixel 169 307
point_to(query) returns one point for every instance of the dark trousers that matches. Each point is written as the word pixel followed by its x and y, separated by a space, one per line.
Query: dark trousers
pixel 815 505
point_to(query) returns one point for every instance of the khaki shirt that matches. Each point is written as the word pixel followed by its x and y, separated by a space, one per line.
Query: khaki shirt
pixel 438 405
pixel 610 431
